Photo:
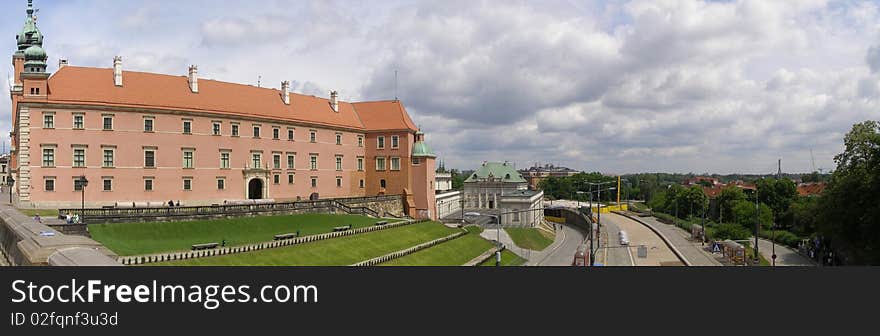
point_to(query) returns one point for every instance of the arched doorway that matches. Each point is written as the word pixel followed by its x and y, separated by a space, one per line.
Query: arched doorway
pixel 255 189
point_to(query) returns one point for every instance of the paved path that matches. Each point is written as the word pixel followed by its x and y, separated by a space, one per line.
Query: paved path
pixel 561 252
pixel 785 256
pixel 659 253
pixel 692 250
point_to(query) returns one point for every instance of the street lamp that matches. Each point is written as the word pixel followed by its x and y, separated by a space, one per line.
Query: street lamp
pixel 10 182
pixel 83 182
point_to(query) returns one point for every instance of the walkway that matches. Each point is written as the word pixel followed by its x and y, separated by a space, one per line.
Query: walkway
pixel 785 256
pixel 692 250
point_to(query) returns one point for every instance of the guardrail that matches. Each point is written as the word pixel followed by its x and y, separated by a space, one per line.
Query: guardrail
pixel 91 215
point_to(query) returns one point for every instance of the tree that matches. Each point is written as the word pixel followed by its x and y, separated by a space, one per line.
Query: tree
pixel 729 195
pixel 744 214
pixel 457 179
pixel 849 208
pixel 778 194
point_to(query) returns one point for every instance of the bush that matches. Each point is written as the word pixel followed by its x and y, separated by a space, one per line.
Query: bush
pixel 730 231
pixel 782 237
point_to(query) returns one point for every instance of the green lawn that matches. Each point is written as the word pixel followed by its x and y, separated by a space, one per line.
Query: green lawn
pixel 53 213
pixel 507 259
pixel 455 252
pixel 530 238
pixel 155 237
pixel 329 252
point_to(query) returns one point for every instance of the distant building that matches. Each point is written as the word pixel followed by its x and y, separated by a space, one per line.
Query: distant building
pixel 534 175
pixel 811 189
pixel 701 180
pixel 499 188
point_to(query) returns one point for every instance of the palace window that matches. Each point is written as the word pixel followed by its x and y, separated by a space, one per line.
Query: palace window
pixel 395 141
pixel 361 184
pixel 291 161
pixel 148 184
pixel 360 164
pixel 48 157
pixel 380 164
pixel 149 158
pixel 187 183
pixel 257 160
pixel 221 184
pixel 339 163
pixel 313 162
pixel 338 138
pixel 187 127
pixel 108 123
pixel 224 160
pixel 395 163
pixel 215 128
pixel 78 121
pixel 187 159
pixel 314 182
pixel 108 184
pixel 235 130
pixel 313 136
pixel 276 161
pixel 360 140
pixel 380 142
pixel 256 131
pixel 108 158
pixel 148 125
pixel 79 157
pixel 276 133
pixel 276 179
pixel 49 184
pixel 77 184
pixel 339 181
pixel 49 120
pixel 290 134
pixel 289 178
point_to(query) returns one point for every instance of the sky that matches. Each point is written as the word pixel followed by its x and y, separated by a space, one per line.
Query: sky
pixel 611 86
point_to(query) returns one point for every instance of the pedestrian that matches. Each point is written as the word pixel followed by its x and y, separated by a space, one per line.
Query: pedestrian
pixel 38 219
pixel 76 219
pixel 69 218
pixel 178 203
pixel 170 203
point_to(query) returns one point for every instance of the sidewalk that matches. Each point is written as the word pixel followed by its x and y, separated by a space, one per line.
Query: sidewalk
pixel 692 250
pixel 785 256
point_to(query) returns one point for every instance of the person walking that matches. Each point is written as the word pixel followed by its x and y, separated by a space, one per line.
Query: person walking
pixel 38 219
pixel 69 218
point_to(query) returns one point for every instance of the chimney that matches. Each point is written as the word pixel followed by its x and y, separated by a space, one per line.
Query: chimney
pixel 285 92
pixel 62 62
pixel 334 104
pixel 193 78
pixel 117 70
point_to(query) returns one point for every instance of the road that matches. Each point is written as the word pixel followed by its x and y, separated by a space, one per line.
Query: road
pixel 659 253
pixel 692 250
pixel 784 255
pixel 561 254
pixel 611 253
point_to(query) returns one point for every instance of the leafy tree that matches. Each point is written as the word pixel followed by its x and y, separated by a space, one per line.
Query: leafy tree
pixel 778 194
pixel 731 231
pixel 850 205
pixel 744 214
pixel 729 195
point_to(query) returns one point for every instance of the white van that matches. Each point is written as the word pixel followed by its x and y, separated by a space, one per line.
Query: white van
pixel 624 239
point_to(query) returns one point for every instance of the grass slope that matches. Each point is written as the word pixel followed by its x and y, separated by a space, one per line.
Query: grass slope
pixel 330 252
pixel 154 237
pixel 530 238
pixel 507 259
pixel 455 252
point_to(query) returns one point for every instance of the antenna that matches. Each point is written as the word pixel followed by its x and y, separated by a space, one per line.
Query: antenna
pixel 395 84
pixel 812 160
pixel 779 172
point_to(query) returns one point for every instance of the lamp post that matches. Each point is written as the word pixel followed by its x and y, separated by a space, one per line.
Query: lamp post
pixel 10 182
pixel 83 182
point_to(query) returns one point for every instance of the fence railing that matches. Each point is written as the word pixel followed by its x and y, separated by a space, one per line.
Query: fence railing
pixel 230 209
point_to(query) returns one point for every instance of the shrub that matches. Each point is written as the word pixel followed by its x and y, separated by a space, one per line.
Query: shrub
pixel 730 231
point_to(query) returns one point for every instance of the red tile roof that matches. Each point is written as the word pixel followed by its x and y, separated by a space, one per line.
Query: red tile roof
pixel 811 189
pixel 94 86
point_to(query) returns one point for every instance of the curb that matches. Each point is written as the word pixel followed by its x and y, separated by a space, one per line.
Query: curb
pixel 663 237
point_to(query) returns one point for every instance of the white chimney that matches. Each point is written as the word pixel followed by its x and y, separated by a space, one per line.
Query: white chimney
pixel 62 62
pixel 285 92
pixel 334 104
pixel 117 70
pixel 193 78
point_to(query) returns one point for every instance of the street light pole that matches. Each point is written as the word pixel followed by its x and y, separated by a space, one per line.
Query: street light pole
pixel 757 226
pixel 83 182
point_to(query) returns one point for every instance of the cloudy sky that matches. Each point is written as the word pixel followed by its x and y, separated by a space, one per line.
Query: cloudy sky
pixel 611 86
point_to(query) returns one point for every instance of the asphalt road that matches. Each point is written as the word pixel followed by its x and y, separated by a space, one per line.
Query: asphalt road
pixel 611 252
pixel 563 254
pixel 784 255
pixel 659 253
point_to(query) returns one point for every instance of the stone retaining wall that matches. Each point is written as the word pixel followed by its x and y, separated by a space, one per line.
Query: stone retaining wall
pixel 479 260
pixel 162 257
pixel 411 250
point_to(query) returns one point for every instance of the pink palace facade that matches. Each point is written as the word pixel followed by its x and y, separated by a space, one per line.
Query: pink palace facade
pixel 140 137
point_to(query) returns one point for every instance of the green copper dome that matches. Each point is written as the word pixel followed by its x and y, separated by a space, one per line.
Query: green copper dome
pixel 421 149
pixel 34 53
pixel 30 35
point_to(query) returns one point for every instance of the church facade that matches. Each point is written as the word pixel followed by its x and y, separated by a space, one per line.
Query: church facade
pixel 148 137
